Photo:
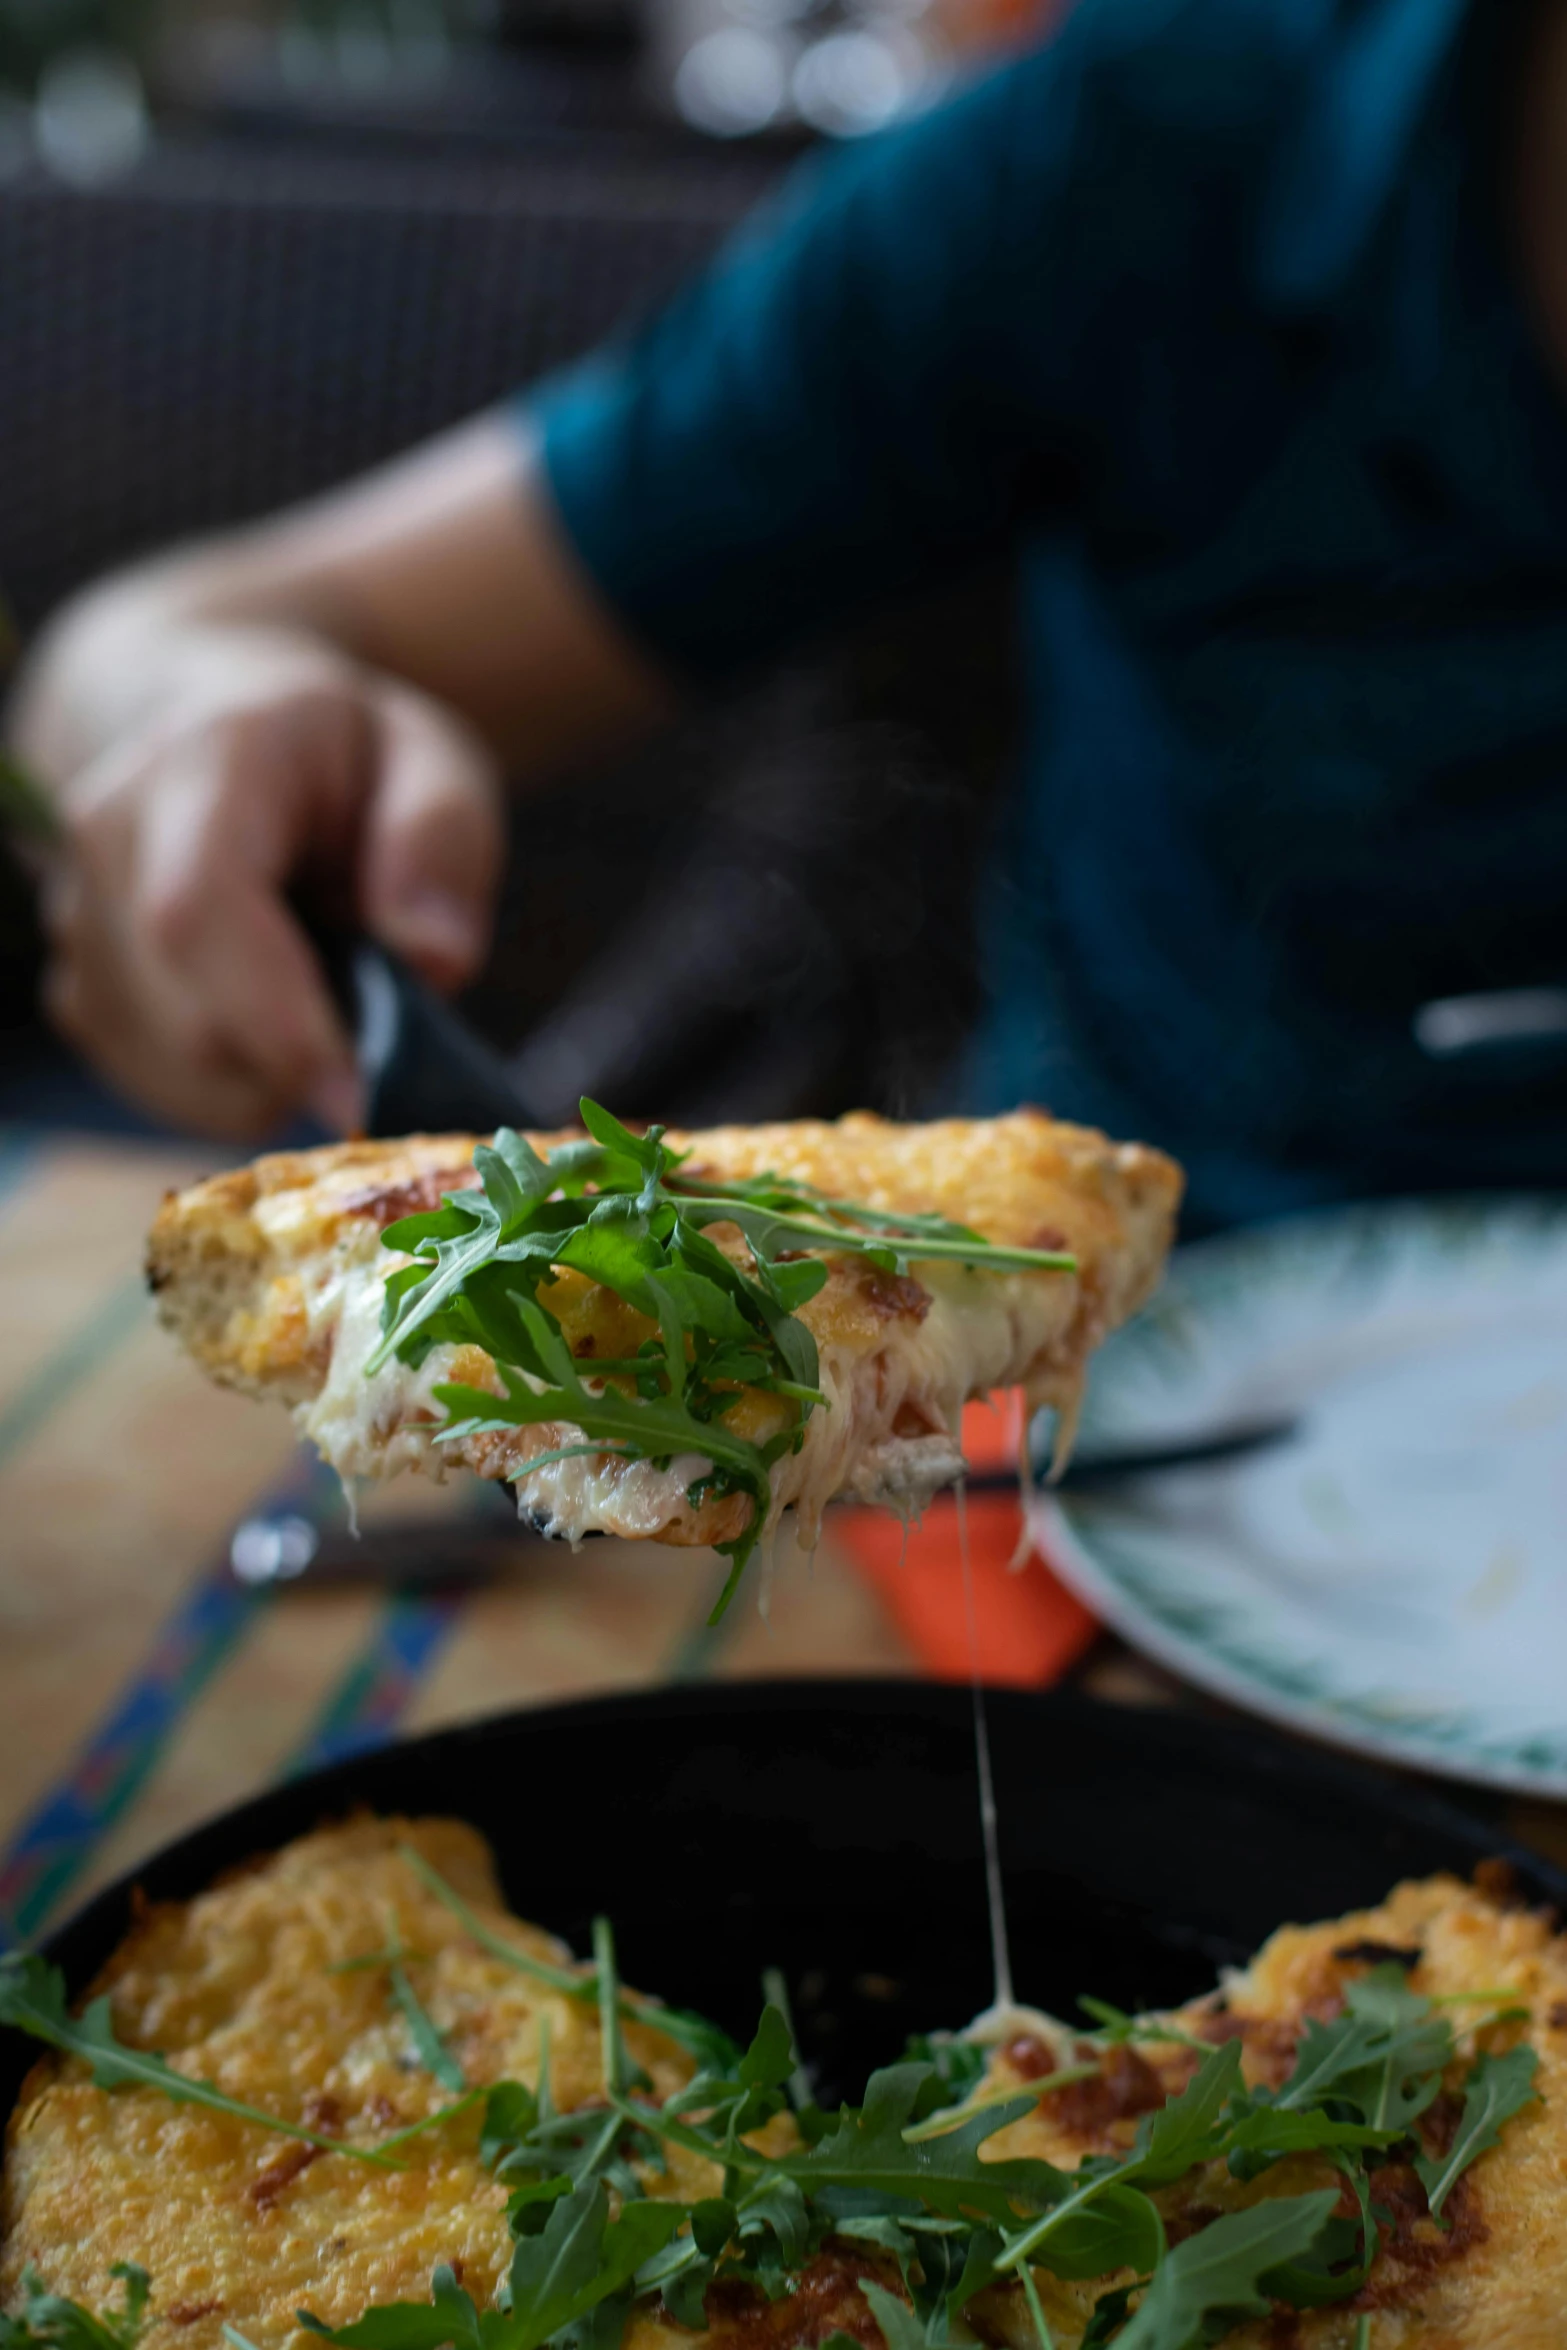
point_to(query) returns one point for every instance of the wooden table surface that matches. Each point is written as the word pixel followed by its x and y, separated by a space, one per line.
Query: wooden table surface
pixel 142 1688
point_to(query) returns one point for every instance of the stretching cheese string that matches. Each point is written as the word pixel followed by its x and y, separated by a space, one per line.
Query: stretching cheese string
pixel 1000 1951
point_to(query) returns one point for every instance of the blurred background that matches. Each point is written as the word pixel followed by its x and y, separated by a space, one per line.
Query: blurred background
pixel 249 247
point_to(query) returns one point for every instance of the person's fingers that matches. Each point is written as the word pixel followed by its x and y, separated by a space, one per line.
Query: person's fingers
pixel 433 840
pixel 181 1081
pixel 239 808
pixel 178 966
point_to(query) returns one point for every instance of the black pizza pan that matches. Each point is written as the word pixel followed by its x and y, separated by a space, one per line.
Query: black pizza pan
pixel 831 1829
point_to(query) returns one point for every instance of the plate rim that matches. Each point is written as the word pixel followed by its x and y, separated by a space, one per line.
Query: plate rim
pixel 1348 1726
pixel 1258 1746
pixel 1069 1556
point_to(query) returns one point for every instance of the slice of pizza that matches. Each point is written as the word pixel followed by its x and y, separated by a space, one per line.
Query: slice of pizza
pixel 664 1335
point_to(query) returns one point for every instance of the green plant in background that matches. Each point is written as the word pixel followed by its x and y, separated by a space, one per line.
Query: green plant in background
pixel 40 37
pixel 25 807
pixel 73 73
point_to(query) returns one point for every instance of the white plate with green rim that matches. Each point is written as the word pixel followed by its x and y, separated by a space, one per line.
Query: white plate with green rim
pixel 1394 1575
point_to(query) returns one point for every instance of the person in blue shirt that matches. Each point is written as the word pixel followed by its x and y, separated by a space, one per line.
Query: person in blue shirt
pixel 1245 323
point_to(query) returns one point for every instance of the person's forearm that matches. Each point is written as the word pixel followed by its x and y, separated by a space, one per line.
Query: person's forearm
pixel 446 569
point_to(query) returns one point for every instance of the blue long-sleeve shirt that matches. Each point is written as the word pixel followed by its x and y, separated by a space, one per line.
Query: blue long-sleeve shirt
pixel 1207 308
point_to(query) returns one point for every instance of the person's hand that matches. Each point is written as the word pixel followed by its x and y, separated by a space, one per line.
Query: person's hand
pixel 261 760
pixel 306 706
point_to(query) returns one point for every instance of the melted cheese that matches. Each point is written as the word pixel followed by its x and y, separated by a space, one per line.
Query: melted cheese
pixel 880 1377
